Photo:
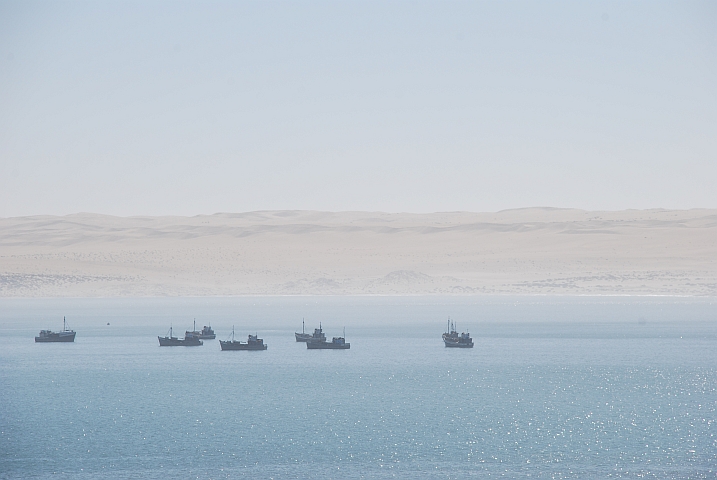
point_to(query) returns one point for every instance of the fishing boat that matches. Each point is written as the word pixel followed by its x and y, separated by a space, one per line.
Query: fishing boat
pixel 66 335
pixel 317 336
pixel 253 343
pixel 336 343
pixel 455 340
pixel 205 334
pixel 170 340
pixel 303 336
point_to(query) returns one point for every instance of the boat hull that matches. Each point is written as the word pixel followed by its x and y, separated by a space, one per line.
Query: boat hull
pixel 302 337
pixel 240 346
pixel 200 335
pixel 327 346
pixel 457 344
pixel 176 342
pixel 62 337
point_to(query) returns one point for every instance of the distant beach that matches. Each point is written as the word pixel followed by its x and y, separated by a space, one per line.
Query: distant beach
pixel 541 251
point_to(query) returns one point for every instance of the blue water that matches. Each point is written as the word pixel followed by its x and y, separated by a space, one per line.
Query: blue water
pixel 554 388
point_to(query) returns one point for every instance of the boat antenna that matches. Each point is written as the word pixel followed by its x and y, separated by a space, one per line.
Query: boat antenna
pixel 302 325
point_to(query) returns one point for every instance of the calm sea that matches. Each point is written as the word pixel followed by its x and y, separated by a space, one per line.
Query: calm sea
pixel 554 388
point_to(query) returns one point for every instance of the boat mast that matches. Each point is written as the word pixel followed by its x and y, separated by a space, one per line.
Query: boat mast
pixel 302 326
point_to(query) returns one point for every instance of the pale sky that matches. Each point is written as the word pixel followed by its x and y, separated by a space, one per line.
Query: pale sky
pixel 154 108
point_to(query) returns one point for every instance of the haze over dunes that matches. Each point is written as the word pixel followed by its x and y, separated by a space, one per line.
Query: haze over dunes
pixel 524 251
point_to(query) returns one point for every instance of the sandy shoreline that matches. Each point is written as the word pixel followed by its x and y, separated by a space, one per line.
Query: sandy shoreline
pixel 536 251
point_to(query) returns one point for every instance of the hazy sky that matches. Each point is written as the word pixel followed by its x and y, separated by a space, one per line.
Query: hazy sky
pixel 157 108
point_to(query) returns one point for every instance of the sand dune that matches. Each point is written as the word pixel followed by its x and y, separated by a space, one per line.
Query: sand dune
pixel 524 251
